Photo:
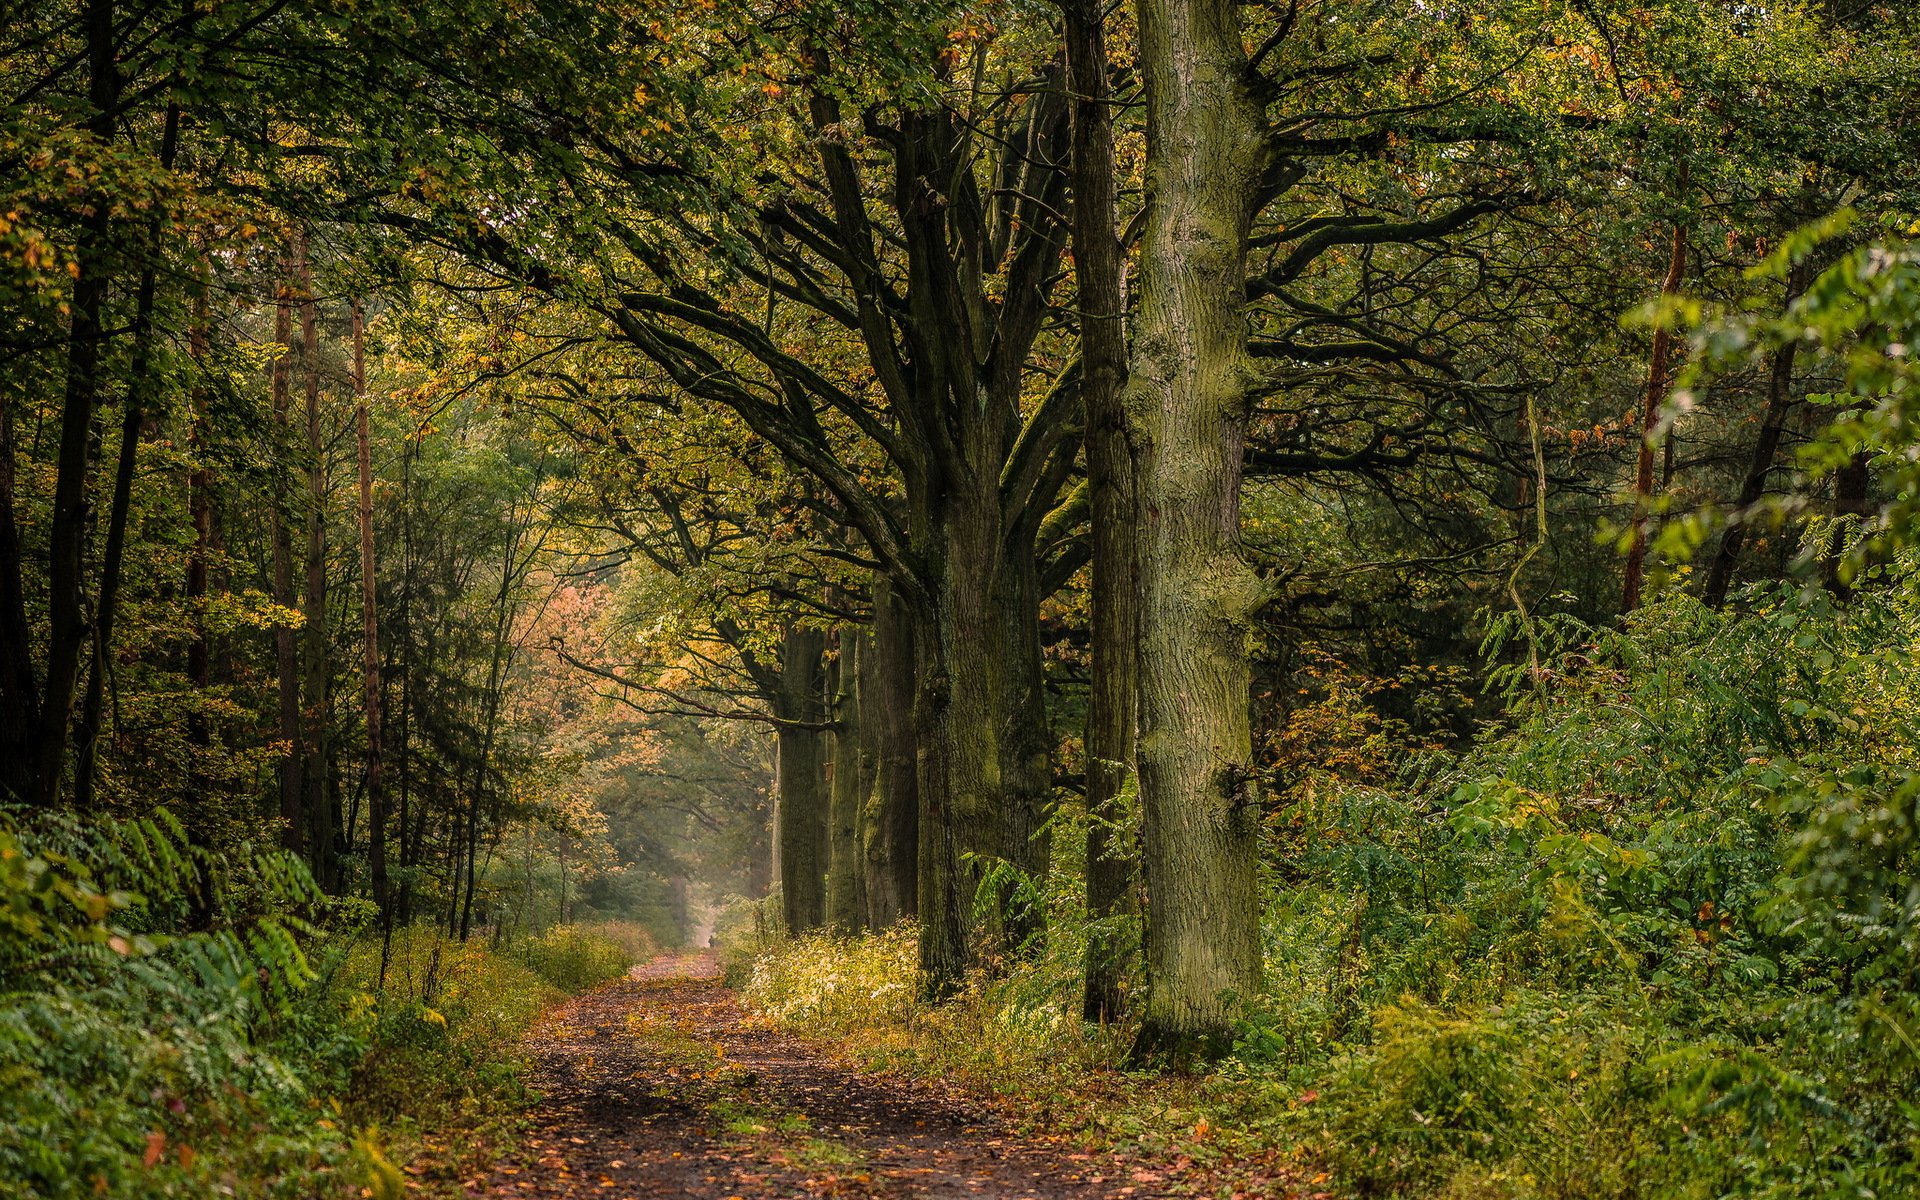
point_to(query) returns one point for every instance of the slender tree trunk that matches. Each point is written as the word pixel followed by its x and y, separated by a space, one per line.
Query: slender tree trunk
pixel 285 644
pixel 1726 558
pixel 200 510
pixel 1636 568
pixel 1187 407
pixel 133 420
pixel 316 675
pixel 803 795
pixel 892 824
pixel 370 630
pixel 1103 371
pixel 68 628
pixel 846 878
pixel 19 689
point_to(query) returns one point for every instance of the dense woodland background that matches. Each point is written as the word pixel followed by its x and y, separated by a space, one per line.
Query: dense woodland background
pixel 1359 549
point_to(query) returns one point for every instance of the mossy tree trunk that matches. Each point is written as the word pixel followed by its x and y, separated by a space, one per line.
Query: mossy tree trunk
pixel 891 828
pixel 1109 463
pixel 1187 405
pixel 846 876
pixel 801 780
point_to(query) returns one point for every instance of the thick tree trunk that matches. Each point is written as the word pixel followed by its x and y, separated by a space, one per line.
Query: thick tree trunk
pixel 1115 632
pixel 370 631
pixel 68 626
pixel 846 877
pixel 286 653
pixel 1636 569
pixel 802 781
pixel 1187 406
pixel 892 825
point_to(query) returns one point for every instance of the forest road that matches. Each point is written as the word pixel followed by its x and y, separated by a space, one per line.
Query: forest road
pixel 660 1086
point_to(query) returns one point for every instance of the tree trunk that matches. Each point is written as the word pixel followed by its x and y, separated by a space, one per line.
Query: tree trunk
pixel 892 824
pixel 285 644
pixel 133 419
pixel 1636 567
pixel 199 509
pixel 370 630
pixel 19 690
pixel 68 627
pixel 1726 558
pixel 802 781
pixel 846 877
pixel 1187 406
pixel 1115 632
pixel 315 675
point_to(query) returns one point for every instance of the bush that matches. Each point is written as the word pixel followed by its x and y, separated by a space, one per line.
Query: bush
pixel 574 958
pixel 138 1061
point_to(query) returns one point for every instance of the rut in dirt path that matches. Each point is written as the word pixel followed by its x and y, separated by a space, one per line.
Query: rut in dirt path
pixel 658 1086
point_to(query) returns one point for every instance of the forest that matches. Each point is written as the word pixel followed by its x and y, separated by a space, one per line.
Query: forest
pixel 922 598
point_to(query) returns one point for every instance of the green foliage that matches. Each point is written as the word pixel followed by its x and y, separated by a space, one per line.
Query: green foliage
pixel 138 1060
pixel 574 958
pixel 1654 935
pixel 131 1057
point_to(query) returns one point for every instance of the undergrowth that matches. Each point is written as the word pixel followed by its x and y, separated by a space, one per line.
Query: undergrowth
pixel 1653 936
pixel 178 1023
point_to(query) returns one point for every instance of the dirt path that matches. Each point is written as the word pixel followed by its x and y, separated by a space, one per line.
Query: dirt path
pixel 658 1086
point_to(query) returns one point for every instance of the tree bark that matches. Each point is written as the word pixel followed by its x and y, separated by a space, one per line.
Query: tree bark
pixel 892 824
pixel 1780 399
pixel 285 644
pixel 68 627
pixel 199 508
pixel 315 675
pixel 801 772
pixel 1114 635
pixel 1187 406
pixel 1636 568
pixel 846 877
pixel 133 419
pixel 19 687
pixel 370 630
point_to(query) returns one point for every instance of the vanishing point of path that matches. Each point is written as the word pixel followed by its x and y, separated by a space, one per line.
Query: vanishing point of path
pixel 659 1086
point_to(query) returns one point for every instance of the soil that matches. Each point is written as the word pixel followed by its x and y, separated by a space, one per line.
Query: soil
pixel 660 1085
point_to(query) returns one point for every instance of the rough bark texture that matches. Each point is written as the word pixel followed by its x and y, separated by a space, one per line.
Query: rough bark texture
pixel 890 831
pixel 846 878
pixel 1115 632
pixel 1636 568
pixel 1187 407
pixel 801 823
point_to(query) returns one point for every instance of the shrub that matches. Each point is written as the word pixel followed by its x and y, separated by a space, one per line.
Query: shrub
pixel 576 957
